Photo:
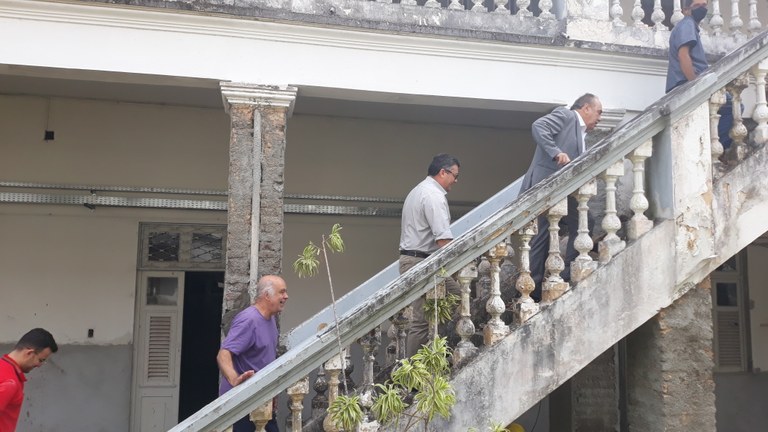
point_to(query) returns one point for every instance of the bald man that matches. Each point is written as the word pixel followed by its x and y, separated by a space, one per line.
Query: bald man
pixel 251 343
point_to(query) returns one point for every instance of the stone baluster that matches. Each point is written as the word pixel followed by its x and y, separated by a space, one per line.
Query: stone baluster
pixel 736 23
pixel 760 114
pixel 522 7
pixel 320 400
pixel 333 368
pixel 261 416
pixel 436 293
pixel 754 25
pixel 495 329
pixel 611 243
pixel 455 5
pixel 658 16
pixel 677 13
pixel 478 6
pixel 716 20
pixel 349 367
pixel 583 265
pixel 370 343
pixel 391 351
pixel 501 6
pixel 400 323
pixel 432 4
pixel 715 102
pixel 384 1
pixel 525 307
pixel 638 14
pixel 546 9
pixel 408 2
pixel 509 273
pixel 465 328
pixel 553 285
pixel 639 224
pixel 297 393
pixel 616 13
pixel 483 285
pixel 738 150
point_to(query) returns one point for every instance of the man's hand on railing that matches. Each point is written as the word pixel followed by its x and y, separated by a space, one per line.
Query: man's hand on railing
pixel 241 378
pixel 562 159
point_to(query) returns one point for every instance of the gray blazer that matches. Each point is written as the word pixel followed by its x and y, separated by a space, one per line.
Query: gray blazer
pixel 554 133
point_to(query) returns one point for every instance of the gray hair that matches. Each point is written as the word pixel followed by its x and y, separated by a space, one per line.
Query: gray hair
pixel 265 286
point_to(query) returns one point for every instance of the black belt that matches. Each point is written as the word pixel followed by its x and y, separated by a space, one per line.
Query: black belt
pixel 416 254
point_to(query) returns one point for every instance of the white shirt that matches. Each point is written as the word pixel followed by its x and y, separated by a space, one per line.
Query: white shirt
pixel 583 129
pixel 426 217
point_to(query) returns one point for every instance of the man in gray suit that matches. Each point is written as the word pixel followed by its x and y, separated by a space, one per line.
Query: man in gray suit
pixel 559 138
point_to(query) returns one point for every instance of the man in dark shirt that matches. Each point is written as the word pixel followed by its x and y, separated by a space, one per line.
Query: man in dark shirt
pixel 687 60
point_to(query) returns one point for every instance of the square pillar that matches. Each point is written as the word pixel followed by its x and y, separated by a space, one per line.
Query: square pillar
pixel 259 116
pixel 670 385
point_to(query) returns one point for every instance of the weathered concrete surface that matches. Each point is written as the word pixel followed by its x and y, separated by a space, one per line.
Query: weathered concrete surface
pixel 578 31
pixel 259 116
pixel 670 362
pixel 239 214
pixel 554 345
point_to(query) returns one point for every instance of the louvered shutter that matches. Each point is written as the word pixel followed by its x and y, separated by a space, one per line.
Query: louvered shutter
pixel 159 345
pixel 158 341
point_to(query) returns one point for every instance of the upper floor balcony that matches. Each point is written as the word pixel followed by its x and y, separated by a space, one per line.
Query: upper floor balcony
pixel 634 26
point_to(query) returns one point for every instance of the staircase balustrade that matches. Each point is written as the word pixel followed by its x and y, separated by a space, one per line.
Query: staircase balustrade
pixel 487 241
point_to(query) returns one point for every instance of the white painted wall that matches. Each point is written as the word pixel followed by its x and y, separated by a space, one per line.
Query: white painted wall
pixel 113 143
pixel 136 41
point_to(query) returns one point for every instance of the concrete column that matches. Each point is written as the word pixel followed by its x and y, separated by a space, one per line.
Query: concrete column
pixel 588 402
pixel 669 368
pixel 256 166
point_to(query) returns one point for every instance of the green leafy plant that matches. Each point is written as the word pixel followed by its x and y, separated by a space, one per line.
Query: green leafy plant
pixel 426 375
pixel 444 306
pixel 346 413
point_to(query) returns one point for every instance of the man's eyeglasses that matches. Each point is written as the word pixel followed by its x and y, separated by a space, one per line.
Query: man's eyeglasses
pixel 455 175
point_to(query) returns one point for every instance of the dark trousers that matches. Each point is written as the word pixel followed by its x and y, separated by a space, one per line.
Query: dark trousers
pixel 726 121
pixel 246 425
pixel 540 246
pixel 418 331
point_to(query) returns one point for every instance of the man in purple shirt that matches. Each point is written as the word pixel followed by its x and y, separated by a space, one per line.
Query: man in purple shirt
pixel 251 343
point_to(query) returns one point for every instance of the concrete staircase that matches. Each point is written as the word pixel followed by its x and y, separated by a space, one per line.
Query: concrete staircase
pixel 704 212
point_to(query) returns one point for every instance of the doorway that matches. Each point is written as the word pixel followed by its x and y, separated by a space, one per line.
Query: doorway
pixel 200 339
pixel 177 322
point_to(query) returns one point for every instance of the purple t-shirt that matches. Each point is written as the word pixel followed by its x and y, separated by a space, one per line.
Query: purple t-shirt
pixel 252 340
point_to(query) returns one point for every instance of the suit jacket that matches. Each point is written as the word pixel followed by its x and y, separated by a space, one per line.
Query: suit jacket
pixel 556 132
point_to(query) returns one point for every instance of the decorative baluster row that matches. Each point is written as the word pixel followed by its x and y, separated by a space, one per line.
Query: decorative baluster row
pixel 486 272
pixel 714 24
pixel 739 147
pixel 499 6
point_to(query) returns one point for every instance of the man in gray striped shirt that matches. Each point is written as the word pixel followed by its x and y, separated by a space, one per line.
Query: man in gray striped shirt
pixel 425 228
